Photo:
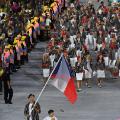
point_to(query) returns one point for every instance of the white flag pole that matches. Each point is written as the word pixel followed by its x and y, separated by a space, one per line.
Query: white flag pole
pixel 47 82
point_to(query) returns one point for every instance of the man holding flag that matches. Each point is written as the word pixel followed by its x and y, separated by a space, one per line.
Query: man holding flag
pixel 32 109
pixel 60 78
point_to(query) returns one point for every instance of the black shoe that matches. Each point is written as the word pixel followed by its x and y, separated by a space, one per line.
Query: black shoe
pixel 6 102
pixel 10 102
pixel 11 73
pixel 14 70
pixel 89 86
pixel 79 90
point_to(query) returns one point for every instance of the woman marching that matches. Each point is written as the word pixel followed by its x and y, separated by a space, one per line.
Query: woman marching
pixel 100 70
pixel 88 69
pixel 79 73
pixel 46 66
pixel 73 57
pixel 113 52
pixel 52 57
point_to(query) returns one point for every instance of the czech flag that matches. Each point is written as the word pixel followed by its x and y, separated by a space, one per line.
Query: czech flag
pixel 61 79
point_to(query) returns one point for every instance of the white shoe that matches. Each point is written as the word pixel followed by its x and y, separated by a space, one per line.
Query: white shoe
pixel 79 90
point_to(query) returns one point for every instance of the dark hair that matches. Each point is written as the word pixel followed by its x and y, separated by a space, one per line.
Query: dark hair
pixel 50 111
pixel 102 2
pixel 98 58
pixel 31 95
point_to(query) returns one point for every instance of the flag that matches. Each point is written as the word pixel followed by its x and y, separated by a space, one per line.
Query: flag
pixel 61 79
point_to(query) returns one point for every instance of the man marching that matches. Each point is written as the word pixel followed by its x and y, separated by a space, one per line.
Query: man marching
pixel 32 112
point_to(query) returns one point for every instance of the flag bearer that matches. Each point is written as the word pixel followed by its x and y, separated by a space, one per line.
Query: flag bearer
pixel 29 112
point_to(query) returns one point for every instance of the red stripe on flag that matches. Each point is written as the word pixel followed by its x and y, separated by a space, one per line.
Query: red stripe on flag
pixel 53 76
pixel 70 91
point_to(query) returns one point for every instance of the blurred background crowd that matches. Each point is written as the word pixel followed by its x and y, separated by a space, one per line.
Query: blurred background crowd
pixel 23 23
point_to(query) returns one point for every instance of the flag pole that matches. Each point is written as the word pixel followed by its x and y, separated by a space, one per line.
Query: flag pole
pixel 46 82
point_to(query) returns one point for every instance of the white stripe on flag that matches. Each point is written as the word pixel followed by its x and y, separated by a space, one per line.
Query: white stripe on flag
pixel 62 77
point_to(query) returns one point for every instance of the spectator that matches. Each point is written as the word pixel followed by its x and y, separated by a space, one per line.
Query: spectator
pixel 8 91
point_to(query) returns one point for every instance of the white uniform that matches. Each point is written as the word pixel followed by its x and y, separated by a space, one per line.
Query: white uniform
pixel 78 53
pixel 100 74
pixel 88 73
pixel 46 72
pixel 89 41
pixel 73 61
pixel 52 58
pixel 106 59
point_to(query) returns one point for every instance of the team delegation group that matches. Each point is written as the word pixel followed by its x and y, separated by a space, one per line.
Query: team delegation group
pixel 90 41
